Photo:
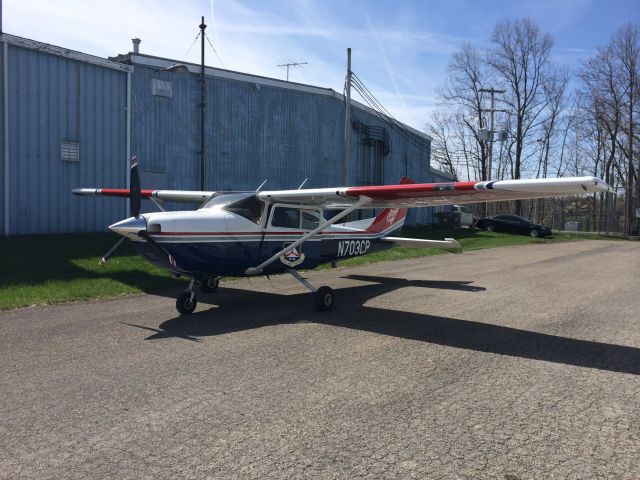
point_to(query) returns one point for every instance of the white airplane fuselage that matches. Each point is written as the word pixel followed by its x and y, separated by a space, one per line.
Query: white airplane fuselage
pixel 217 241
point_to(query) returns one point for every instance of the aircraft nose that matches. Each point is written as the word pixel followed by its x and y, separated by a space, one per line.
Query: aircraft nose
pixel 130 227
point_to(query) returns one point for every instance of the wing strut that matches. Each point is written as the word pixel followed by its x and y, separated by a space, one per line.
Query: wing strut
pixel 362 200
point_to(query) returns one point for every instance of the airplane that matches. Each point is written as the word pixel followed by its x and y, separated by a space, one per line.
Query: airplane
pixel 248 233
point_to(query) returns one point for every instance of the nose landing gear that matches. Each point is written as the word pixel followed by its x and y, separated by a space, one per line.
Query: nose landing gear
pixel 188 300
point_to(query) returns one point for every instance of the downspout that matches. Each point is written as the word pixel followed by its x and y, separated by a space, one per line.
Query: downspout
pixel 128 142
pixel 5 112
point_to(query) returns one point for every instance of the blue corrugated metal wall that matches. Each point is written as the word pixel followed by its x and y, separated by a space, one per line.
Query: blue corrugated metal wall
pixel 54 99
pixel 2 140
pixel 256 132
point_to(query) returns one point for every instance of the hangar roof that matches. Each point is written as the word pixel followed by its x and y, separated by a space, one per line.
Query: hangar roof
pixel 166 63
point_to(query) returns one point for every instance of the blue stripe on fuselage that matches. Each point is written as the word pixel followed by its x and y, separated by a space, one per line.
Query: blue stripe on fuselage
pixel 232 258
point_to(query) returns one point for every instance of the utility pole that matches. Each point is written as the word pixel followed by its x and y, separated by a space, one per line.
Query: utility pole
pixel 202 34
pixel 292 64
pixel 629 194
pixel 347 124
pixel 492 110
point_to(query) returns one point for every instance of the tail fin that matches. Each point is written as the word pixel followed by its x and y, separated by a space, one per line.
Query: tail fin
pixel 390 218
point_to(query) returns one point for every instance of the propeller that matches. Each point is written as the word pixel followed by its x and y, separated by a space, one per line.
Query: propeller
pixel 135 198
pixel 135 201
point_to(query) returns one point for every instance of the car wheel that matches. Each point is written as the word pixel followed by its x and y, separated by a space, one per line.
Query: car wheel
pixel 534 233
pixel 491 227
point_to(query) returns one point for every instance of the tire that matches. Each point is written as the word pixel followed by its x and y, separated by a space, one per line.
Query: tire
pixel 210 285
pixel 184 304
pixel 534 233
pixel 324 299
pixel 491 227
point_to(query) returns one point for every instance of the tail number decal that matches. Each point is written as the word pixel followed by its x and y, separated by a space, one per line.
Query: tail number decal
pixel 353 247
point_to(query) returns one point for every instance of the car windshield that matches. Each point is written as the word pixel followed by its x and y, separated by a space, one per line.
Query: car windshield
pixel 244 204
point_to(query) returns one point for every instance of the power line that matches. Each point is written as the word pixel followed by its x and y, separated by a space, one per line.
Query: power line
pixel 376 105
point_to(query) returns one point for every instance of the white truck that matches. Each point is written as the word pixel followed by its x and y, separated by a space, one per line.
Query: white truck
pixel 459 216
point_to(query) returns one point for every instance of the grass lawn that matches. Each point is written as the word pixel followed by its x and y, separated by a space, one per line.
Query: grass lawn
pixel 41 269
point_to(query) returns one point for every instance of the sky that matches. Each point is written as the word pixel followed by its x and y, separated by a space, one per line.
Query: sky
pixel 400 48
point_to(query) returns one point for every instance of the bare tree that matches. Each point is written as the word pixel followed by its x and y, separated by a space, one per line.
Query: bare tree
pixel 466 77
pixel 609 100
pixel 444 143
pixel 520 57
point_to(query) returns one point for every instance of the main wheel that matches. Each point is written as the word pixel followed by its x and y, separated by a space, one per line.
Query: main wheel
pixel 210 285
pixel 534 233
pixel 324 299
pixel 185 304
pixel 491 227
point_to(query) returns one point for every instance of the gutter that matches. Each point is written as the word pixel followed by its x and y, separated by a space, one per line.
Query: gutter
pixel 128 144
pixel 5 113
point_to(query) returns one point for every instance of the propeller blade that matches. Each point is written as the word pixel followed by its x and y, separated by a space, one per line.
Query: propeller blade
pixel 134 188
pixel 111 251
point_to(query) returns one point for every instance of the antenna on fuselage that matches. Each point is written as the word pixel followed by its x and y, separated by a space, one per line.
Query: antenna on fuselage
pixel 305 181
pixel 262 184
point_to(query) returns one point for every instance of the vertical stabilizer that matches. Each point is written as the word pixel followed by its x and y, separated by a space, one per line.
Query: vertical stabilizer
pixel 390 219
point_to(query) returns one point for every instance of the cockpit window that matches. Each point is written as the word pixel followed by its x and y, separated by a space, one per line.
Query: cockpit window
pixel 309 219
pixel 244 204
pixel 288 217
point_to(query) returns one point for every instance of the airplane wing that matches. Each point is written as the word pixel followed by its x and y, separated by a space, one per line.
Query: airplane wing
pixel 401 195
pixel 431 194
pixel 187 196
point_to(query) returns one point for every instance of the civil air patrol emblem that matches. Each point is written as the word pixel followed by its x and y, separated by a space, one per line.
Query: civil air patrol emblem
pixel 293 257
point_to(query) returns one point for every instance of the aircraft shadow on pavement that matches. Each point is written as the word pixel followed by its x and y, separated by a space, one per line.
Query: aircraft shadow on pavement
pixel 241 310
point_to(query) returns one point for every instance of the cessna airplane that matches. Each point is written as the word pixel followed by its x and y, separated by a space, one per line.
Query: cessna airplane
pixel 268 232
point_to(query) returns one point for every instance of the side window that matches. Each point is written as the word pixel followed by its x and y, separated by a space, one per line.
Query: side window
pixel 309 220
pixel 284 217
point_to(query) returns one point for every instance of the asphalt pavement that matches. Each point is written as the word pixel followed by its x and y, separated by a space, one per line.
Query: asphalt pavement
pixel 510 363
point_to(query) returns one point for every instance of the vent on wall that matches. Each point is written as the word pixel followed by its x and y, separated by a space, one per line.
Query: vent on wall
pixel 161 88
pixel 70 151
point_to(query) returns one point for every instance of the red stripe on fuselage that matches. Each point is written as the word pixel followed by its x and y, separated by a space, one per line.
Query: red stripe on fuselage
pixel 186 234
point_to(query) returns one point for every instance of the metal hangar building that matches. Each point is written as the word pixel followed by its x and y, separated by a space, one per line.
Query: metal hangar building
pixel 71 119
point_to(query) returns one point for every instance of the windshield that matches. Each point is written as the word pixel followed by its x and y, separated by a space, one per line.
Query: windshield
pixel 244 204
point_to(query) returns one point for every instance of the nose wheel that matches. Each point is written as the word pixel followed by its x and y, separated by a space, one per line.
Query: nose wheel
pixel 323 297
pixel 187 301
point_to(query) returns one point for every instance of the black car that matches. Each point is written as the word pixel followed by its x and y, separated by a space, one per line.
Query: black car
pixel 513 224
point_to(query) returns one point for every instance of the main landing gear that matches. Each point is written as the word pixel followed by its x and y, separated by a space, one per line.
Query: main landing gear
pixel 187 301
pixel 323 296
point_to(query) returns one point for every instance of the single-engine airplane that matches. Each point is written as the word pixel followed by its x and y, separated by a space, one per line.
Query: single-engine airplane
pixel 266 232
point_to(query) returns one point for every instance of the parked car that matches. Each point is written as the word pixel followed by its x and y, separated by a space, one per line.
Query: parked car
pixel 513 224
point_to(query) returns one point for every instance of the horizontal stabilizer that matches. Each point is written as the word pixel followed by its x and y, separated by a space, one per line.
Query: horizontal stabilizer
pixel 447 243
